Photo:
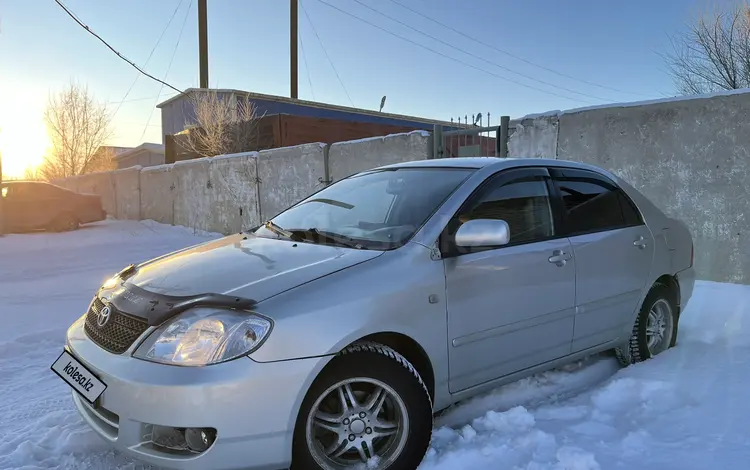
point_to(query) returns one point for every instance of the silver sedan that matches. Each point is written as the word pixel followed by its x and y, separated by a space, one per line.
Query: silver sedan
pixel 328 336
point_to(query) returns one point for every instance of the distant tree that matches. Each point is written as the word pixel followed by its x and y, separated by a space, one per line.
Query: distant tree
pixel 77 126
pixel 32 174
pixel 223 124
pixel 714 53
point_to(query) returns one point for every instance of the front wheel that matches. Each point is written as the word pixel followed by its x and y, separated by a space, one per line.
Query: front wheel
pixel 655 328
pixel 369 406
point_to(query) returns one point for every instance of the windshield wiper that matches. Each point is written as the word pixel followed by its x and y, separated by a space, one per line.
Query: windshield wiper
pixel 331 202
pixel 337 238
pixel 278 230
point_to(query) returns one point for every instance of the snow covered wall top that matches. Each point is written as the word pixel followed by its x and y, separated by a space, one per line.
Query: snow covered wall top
pixel 688 154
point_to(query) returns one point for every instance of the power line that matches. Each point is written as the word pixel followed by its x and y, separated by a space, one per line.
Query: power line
pixel 453 58
pixel 326 52
pixel 84 26
pixel 169 67
pixel 307 68
pixel 509 54
pixel 478 57
pixel 158 41
pixel 131 100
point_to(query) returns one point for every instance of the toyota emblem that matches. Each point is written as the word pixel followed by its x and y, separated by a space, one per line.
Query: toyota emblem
pixel 103 316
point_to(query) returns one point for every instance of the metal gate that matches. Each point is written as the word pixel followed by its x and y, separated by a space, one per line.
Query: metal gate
pixel 471 140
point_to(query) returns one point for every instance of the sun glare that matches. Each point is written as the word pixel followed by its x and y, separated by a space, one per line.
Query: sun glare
pixel 23 138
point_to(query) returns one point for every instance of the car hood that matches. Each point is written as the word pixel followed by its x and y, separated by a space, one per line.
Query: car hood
pixel 244 265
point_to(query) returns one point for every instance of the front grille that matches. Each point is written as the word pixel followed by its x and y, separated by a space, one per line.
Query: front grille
pixel 120 331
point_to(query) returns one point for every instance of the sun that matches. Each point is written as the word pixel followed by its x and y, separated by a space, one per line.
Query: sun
pixel 23 137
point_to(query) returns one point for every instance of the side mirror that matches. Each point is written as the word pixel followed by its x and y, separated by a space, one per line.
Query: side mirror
pixel 483 232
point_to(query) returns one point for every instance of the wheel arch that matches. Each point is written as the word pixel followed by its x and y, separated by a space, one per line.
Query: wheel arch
pixel 411 350
pixel 399 342
pixel 671 283
pixel 402 344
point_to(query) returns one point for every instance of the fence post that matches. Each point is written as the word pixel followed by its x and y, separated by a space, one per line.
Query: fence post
pixel 437 141
pixel 326 165
pixel 503 141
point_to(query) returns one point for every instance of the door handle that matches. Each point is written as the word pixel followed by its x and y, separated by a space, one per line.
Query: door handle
pixel 559 258
pixel 640 243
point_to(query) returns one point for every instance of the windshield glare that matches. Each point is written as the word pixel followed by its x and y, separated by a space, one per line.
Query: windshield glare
pixel 380 209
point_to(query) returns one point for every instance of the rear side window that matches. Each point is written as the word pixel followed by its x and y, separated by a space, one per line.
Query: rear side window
pixel 47 191
pixel 593 203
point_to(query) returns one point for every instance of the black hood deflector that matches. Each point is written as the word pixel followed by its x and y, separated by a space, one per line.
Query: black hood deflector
pixel 157 308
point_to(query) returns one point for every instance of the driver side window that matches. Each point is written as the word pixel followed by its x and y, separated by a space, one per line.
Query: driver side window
pixel 523 202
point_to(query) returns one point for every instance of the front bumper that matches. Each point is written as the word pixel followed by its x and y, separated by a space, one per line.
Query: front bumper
pixel 253 406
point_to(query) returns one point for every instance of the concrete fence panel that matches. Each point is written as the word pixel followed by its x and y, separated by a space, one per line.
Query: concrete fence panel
pixel 158 190
pixel 347 158
pixel 127 183
pixel 70 183
pixel 534 138
pixel 288 175
pixel 192 207
pixel 101 184
pixel 233 195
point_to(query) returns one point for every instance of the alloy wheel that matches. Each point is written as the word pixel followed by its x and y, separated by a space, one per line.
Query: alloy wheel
pixel 659 327
pixel 355 421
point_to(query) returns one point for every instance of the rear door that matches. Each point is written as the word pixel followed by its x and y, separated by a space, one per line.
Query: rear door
pixel 613 251
pixel 50 201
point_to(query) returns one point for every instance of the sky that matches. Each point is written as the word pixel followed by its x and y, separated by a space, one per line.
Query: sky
pixel 584 52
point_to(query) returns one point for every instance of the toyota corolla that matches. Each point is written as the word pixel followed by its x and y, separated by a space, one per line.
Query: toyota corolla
pixel 328 336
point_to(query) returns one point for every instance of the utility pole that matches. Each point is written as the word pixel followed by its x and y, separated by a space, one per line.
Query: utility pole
pixel 293 47
pixel 203 42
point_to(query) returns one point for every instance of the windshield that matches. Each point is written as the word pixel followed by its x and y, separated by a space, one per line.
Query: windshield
pixel 380 209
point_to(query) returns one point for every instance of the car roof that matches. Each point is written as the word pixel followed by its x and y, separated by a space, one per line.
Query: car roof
pixel 497 163
pixel 24 182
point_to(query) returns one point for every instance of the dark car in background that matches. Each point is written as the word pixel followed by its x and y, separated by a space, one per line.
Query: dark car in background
pixel 36 205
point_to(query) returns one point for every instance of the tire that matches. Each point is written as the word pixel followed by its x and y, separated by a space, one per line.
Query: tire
pixel 402 393
pixel 660 299
pixel 64 222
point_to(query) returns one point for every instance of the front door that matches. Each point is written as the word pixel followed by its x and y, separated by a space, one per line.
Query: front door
pixel 13 209
pixel 26 208
pixel 509 307
pixel 614 251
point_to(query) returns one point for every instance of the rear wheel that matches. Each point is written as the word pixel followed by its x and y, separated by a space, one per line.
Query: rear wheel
pixel 64 222
pixel 369 406
pixel 655 328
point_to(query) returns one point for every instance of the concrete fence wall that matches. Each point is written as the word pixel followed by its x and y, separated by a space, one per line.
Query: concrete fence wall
pixel 689 156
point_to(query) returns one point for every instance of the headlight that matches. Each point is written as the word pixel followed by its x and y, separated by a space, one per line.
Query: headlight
pixel 204 336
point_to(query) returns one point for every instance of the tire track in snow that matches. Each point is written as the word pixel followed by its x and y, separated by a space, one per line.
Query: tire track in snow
pixel 38 421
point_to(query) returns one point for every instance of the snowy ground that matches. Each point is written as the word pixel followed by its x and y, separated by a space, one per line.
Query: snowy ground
pixel 686 409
